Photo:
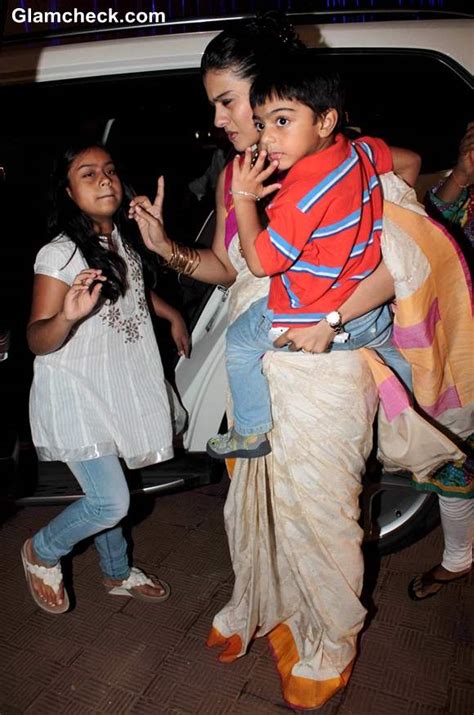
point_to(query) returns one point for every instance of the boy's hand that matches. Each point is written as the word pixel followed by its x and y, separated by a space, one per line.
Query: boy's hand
pixel 313 339
pixel 79 301
pixel 180 335
pixel 249 179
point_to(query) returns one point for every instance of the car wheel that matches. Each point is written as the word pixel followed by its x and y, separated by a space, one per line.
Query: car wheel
pixel 394 514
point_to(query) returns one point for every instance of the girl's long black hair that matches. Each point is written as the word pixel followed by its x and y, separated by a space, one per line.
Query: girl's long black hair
pixel 65 217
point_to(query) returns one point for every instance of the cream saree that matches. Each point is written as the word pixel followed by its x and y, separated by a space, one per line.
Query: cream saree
pixel 292 517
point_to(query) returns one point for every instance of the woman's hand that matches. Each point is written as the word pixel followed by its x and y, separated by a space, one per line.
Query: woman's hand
pixel 249 179
pixel 180 335
pixel 79 300
pixel 464 169
pixel 149 218
pixel 155 208
pixel 313 339
pixel 152 231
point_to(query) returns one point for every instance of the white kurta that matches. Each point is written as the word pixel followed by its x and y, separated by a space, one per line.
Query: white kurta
pixel 103 391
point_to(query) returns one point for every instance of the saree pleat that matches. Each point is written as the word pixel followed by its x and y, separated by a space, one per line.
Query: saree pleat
pixel 293 516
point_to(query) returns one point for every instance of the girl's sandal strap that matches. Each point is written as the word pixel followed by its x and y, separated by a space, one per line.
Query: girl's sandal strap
pixel 51 577
pixel 131 587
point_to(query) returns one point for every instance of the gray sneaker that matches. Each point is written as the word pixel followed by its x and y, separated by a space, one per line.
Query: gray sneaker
pixel 233 444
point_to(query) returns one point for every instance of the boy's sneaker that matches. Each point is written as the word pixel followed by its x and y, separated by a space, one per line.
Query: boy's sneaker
pixel 233 444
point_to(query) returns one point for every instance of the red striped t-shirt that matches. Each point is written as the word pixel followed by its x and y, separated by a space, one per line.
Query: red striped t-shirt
pixel 323 235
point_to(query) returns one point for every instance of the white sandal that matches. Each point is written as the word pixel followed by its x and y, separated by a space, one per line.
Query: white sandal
pixel 51 577
pixel 138 578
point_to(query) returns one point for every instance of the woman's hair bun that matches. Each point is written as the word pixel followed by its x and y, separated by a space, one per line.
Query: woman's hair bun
pixel 249 45
pixel 275 25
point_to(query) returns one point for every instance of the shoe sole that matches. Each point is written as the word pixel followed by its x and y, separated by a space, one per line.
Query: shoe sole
pixel 261 451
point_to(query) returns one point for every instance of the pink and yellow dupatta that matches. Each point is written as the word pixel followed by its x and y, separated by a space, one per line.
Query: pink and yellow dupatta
pixel 434 331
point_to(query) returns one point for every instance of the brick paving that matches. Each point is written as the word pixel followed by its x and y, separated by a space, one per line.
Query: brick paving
pixel 116 655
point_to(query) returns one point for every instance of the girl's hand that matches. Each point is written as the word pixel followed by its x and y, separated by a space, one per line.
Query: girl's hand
pixel 464 169
pixel 155 208
pixel 248 178
pixel 79 301
pixel 180 335
pixel 314 339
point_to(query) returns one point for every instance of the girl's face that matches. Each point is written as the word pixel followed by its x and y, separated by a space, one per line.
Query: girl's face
pixel 229 95
pixel 95 187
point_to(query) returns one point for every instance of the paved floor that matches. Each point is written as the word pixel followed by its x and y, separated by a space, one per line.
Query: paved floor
pixel 113 655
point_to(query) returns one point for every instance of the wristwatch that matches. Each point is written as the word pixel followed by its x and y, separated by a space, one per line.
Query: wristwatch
pixel 334 318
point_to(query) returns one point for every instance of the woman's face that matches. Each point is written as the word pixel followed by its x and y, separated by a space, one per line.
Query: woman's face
pixel 229 95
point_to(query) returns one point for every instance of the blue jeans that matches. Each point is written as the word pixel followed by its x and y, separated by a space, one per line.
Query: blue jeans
pixel 247 341
pixel 105 503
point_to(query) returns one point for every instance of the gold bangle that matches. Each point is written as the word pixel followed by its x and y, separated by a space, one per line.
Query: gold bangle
pixel 197 261
pixel 184 259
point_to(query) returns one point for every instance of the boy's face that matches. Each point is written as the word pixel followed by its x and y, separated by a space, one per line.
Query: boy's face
pixel 288 131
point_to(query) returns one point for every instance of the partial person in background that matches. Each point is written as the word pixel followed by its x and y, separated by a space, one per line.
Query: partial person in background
pixel 451 200
pixel 207 182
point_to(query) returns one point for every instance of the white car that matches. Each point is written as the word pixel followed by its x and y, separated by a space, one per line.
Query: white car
pixel 408 81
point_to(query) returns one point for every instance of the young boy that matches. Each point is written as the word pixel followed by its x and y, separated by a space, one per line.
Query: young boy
pixel 322 239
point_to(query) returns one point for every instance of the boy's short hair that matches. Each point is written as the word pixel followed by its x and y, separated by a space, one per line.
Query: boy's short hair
pixel 297 77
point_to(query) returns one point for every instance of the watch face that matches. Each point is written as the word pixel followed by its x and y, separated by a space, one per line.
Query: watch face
pixel 334 319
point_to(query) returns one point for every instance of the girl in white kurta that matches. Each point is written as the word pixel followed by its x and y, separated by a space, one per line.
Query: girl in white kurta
pixel 98 391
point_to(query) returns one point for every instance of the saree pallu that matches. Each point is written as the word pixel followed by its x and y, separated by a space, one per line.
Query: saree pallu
pixel 434 331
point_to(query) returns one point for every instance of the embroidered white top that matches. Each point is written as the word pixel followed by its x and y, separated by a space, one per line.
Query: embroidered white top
pixel 103 391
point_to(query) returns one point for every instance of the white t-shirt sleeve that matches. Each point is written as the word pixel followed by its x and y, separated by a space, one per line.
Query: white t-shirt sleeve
pixel 59 259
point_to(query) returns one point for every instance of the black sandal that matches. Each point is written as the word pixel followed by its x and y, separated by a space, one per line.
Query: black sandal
pixel 426 580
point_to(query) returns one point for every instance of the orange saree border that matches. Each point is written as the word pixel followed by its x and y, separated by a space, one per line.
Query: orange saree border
pixel 301 692
pixel 233 645
pixel 298 692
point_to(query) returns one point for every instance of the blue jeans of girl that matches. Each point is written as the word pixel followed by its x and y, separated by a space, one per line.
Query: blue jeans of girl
pixel 247 341
pixel 105 503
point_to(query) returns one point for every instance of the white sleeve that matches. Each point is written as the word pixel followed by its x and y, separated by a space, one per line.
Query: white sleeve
pixel 59 259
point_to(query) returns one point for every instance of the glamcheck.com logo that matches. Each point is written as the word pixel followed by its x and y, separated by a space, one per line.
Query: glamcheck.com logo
pixel 110 17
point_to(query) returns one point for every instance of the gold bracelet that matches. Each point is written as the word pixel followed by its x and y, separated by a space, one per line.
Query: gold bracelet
pixel 461 186
pixel 255 197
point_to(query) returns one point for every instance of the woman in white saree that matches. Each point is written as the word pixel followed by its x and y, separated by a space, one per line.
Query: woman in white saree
pixel 291 517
